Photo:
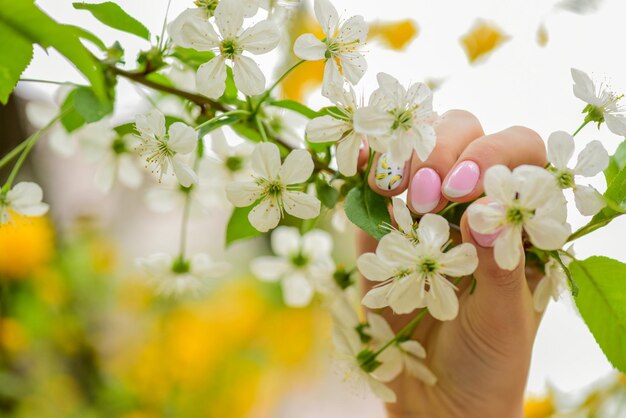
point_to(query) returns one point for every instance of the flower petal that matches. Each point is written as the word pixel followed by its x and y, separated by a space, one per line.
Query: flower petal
pixel 353 66
pixel 297 167
pixel 317 244
pixel 105 175
pixel 183 138
pixel 373 268
pixel 248 76
pixel 419 370
pixel 507 249
pixel 433 231
pixel 301 205
pixel 616 123
pixel 162 200
pixel 229 18
pixel 265 215
pixel 260 38
pixel 391 366
pixel 560 149
pixel 441 299
pixel 265 160
pixel 333 79
pixel 128 173
pixel 211 77
pixel 373 120
pixel 547 233
pixel 25 198
pixel 396 250
pixel 377 297
pixel 327 15
pixel 459 261
pixel 535 186
pixel 402 216
pixel 269 269
pixel 584 88
pixel 499 184
pixel 297 291
pixel 191 30
pixel 348 154
pixel 379 328
pixel 542 293
pixel 414 348
pixel 423 138
pixel 407 295
pixel 243 193
pixel 185 174
pixel 381 390
pixel 352 31
pixel 152 124
pixel 308 47
pixel 326 129
pixel 592 159
pixel 286 241
pixel 588 200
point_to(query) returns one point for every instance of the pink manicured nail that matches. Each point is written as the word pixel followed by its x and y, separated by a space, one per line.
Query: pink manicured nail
pixel 462 180
pixel 425 190
pixel 484 240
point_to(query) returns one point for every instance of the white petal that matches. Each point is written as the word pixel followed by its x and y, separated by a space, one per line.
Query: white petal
pixel 162 200
pixel 402 216
pixel 191 30
pixel 269 269
pixel 61 142
pixel 128 173
pixel 592 159
pixel 535 186
pixel 152 124
pixel 560 149
pixel 25 197
pixel 423 139
pixel 266 160
pixel 348 154
pixel 260 38
pixel 413 348
pixel 211 77
pixel 156 265
pixel 433 231
pixel 327 15
pixel 373 268
pixel 508 248
pixel 396 250
pixel 326 129
pixel 373 120
pixel 542 293
pixel 353 66
pixel 408 295
pixel 381 390
pixel 286 241
pixel 297 167
pixel 183 138
pixel 547 233
pixel 297 291
pixel 265 215
pixel 243 193
pixel 616 123
pixel 332 78
pixel 105 175
pixel 500 184
pixel 353 30
pixel 379 328
pixel 229 18
pixel 391 366
pixel 441 300
pixel 301 205
pixel 185 174
pixel 248 76
pixel 459 261
pixel 308 47
pixel 203 267
pixel 377 297
pixel 40 113
pixel 219 144
pixel 584 88
pixel 401 147
pixel 419 370
pixel 588 200
pixel 317 244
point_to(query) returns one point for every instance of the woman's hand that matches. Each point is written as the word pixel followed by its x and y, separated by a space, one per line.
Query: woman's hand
pixel 481 358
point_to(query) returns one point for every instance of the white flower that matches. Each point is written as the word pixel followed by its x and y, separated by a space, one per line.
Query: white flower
pixel 192 31
pixel 348 346
pixel 398 121
pixel 230 162
pixel 603 104
pixel 273 187
pixel 176 276
pixel 550 286
pixel 580 6
pixel 161 150
pixel 407 355
pixel 339 48
pixel 406 225
pixel 24 198
pixel 339 128
pixel 285 125
pixel 527 199
pixel 302 263
pixel 206 8
pixel 591 160
pixel 406 269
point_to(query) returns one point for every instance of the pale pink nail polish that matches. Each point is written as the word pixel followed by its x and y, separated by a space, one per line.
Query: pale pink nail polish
pixel 425 190
pixel 462 180
pixel 484 240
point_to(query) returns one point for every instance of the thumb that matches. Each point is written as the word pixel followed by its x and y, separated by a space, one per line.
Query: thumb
pixel 501 299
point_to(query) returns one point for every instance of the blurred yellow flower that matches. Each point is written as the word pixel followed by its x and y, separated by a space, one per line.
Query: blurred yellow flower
pixel 12 336
pixel 539 407
pixel 26 244
pixel 542 35
pixel 482 39
pixel 394 35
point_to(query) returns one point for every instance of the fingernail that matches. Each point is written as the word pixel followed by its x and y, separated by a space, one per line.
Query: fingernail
pixel 388 176
pixel 462 180
pixel 484 240
pixel 425 190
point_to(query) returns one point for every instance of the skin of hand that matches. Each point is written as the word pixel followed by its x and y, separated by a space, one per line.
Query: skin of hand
pixel 482 357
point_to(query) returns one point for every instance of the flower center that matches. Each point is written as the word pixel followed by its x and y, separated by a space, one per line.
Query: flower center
pixel 299 259
pixel 565 178
pixel 594 114
pixel 234 163
pixel 209 5
pixel 119 146
pixel 332 48
pixel 403 119
pixel 273 188
pixel 229 48
pixel 428 265
pixel 181 266
pixel 516 215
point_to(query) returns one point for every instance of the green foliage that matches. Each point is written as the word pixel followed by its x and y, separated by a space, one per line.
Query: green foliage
pixel 71 119
pixel 228 120
pixel 327 194
pixel 88 36
pixel 367 210
pixel 244 130
pixel 602 304
pixel 616 163
pixel 296 107
pixel 24 20
pixel 191 57
pixel 89 106
pixel 15 55
pixel 239 226
pixel 115 17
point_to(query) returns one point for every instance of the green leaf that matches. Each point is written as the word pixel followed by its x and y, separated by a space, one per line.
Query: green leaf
pixel 34 26
pixel 192 57
pixel 367 210
pixel 88 36
pixel 230 92
pixel 71 119
pixel 239 226
pixel 15 55
pixel 90 107
pixel 616 163
pixel 616 193
pixel 296 107
pixel 602 304
pixel 114 16
pixel 228 120
pixel 327 194
pixel 243 130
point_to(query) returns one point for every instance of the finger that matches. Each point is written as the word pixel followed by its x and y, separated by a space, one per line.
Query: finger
pixel 455 130
pixel 386 178
pixel 501 302
pixel 512 147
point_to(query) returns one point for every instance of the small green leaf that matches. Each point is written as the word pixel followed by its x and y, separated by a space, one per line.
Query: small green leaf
pixel 15 55
pixel 230 93
pixel 368 211
pixel 245 131
pixel 192 57
pixel 327 194
pixel 89 106
pixel 88 36
pixel 616 163
pixel 296 107
pixel 71 119
pixel 239 226
pixel 602 304
pixel 228 120
pixel 115 17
